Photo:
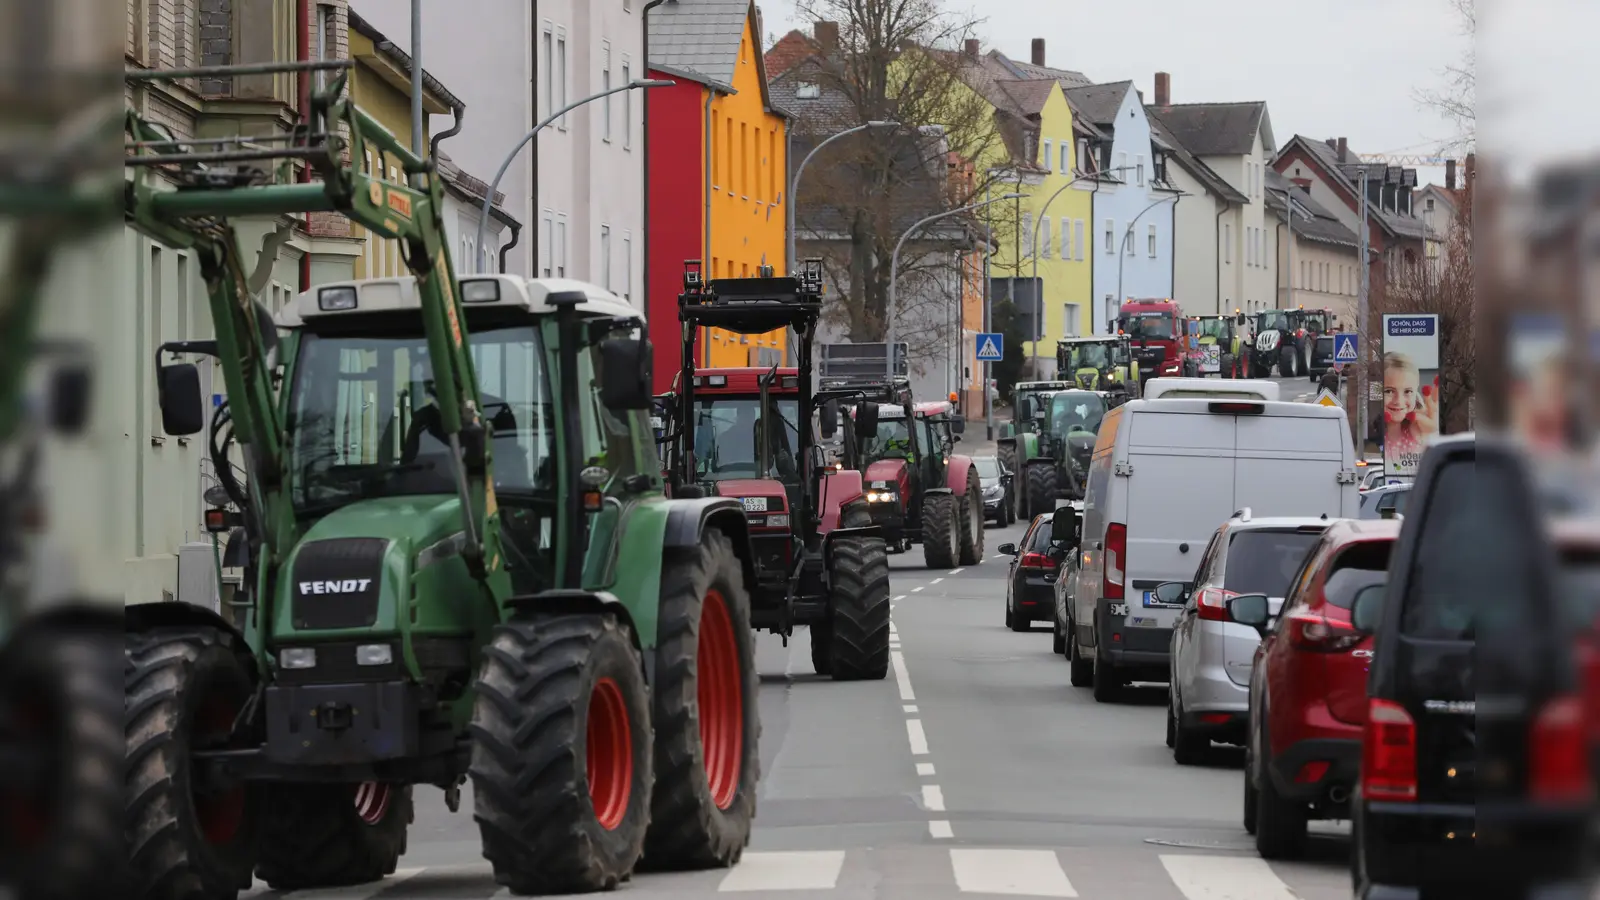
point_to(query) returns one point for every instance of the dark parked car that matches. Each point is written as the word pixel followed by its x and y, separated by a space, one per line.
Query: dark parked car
pixel 1455 799
pixel 1031 583
pixel 994 481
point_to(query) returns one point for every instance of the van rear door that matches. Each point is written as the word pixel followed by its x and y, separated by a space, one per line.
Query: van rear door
pixel 1288 465
pixel 1179 491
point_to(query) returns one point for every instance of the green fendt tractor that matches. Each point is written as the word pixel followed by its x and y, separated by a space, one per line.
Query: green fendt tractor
pixel 1066 444
pixel 1099 364
pixel 461 565
pixel 60 710
pixel 1019 438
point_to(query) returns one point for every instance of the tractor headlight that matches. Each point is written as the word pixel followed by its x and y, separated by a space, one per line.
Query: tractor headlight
pixel 336 299
pixel 778 521
pixel 374 655
pixel 298 657
pixel 881 497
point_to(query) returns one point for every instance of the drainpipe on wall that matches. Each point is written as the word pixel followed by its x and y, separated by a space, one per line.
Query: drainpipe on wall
pixel 1173 238
pixel 644 153
pixel 533 147
pixel 705 255
pixel 1276 286
pixel 1220 213
pixel 302 48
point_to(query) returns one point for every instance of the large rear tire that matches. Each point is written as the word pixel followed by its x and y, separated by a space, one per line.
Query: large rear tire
pixel 60 837
pixel 332 835
pixel 561 758
pixel 1041 477
pixel 858 594
pixel 186 838
pixel 972 522
pixel 707 723
pixel 939 531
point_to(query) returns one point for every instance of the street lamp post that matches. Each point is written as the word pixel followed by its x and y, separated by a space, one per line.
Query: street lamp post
pixel 488 195
pixel 1127 237
pixel 794 182
pixel 1038 221
pixel 894 271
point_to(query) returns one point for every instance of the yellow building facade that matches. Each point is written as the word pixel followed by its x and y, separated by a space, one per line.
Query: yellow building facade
pixel 1065 238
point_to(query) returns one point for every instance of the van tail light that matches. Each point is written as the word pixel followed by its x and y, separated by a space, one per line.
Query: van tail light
pixel 1116 561
pixel 1388 753
pixel 1558 753
pixel 1308 631
pixel 1036 561
pixel 1236 408
pixel 1212 604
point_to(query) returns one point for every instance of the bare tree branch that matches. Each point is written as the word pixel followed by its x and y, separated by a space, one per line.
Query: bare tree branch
pixel 1456 98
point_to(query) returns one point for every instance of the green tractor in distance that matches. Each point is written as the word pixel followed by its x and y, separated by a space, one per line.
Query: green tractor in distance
pixel 1099 364
pixel 1018 440
pixel 1066 445
pixel 460 564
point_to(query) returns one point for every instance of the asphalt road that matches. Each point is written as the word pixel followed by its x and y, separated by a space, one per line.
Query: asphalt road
pixel 974 769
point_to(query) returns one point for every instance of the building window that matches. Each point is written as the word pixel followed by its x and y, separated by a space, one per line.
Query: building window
pixel 549 71
pixel 1152 240
pixel 561 246
pixel 1027 235
pixel 1069 319
pixel 772 166
pixel 716 150
pixel 1066 158
pixel 1111 236
pixel 627 266
pixel 327 22
pixel 1122 164
pixel 1066 238
pixel 727 153
pixel 807 90
pixel 605 256
pixel 1045 245
pixel 547 245
pixel 1227 243
pixel 1048 154
pixel 561 75
pixel 627 104
pixel 1139 166
pixel 605 85
pixel 1077 239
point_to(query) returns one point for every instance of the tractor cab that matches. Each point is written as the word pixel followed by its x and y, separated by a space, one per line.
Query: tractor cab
pixel 1099 364
pixel 1214 345
pixel 1153 326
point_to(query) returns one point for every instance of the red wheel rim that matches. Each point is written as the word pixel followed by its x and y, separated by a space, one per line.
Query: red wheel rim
pixel 372 801
pixel 220 813
pixel 721 690
pixel 609 754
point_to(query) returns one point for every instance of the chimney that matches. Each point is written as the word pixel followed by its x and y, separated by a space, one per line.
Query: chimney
pixel 1163 89
pixel 972 48
pixel 1344 150
pixel 1038 51
pixel 1449 174
pixel 827 36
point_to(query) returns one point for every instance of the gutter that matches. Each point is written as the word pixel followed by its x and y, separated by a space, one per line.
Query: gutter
pixel 459 111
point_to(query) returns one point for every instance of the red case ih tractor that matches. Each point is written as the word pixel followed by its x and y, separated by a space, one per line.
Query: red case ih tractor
pixel 919 491
pixel 747 433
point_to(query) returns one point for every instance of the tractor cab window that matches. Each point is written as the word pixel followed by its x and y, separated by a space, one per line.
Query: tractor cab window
pixel 726 438
pixel 1088 356
pixel 364 418
pixel 1216 329
pixel 1272 320
pixel 1314 321
pixel 610 437
pixel 893 441
pixel 1149 326
pixel 935 436
pixel 1076 411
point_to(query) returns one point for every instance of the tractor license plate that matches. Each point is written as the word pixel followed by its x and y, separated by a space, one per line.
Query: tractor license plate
pixel 755 504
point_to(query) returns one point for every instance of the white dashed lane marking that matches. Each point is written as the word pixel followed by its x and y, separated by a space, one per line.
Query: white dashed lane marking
pixel 955 571
pixel 919 738
pixel 924 769
pixel 1028 873
pixel 940 828
pixel 816 870
pixel 933 582
pixel 932 798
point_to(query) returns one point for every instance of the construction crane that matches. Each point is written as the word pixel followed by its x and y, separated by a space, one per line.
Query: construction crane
pixel 1410 159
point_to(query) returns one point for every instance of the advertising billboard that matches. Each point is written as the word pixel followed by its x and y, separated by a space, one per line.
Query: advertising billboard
pixel 1410 389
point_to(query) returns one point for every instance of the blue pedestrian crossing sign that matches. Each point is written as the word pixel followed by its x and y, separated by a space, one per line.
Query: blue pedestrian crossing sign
pixel 991 347
pixel 1344 348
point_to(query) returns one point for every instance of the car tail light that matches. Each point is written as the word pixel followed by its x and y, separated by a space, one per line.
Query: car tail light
pixel 1116 562
pixel 1558 748
pixel 1036 561
pixel 1388 753
pixel 1213 604
pixel 1308 631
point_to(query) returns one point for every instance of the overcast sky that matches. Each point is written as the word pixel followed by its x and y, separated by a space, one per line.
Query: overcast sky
pixel 1326 69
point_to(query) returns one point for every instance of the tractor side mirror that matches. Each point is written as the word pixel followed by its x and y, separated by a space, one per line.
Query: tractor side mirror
pixel 625 374
pixel 70 386
pixel 178 392
pixel 828 419
pixel 958 425
pixel 866 420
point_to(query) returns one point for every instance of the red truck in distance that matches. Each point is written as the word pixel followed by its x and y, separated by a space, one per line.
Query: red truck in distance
pixel 1156 329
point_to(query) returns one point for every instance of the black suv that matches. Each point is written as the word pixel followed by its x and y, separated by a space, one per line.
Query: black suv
pixel 1475 776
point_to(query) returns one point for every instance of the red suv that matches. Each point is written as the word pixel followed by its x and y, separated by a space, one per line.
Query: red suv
pixel 1308 688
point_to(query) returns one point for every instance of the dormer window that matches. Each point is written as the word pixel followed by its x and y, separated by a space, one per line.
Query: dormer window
pixel 807 90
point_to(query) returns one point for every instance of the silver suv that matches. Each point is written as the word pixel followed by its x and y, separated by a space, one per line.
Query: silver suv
pixel 1208 698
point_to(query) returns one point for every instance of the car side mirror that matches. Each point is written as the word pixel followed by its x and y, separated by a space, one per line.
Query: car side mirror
pixel 1250 609
pixel 625 374
pixel 866 420
pixel 1065 527
pixel 1172 593
pixel 178 393
pixel 1367 609
pixel 1008 549
pixel 828 420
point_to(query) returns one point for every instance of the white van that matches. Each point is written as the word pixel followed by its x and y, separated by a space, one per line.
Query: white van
pixel 1164 475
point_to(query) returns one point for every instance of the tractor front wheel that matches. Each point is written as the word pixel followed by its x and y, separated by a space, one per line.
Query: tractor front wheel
pixel 561 755
pixel 970 550
pixel 333 835
pixel 189 834
pixel 939 531
pixel 60 799
pixel 1041 478
pixel 858 595
pixel 706 719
